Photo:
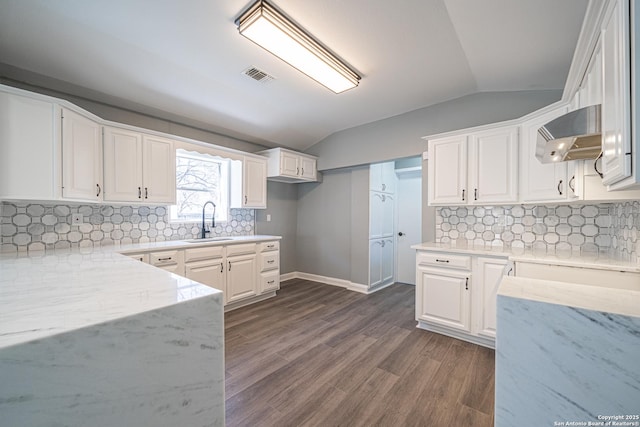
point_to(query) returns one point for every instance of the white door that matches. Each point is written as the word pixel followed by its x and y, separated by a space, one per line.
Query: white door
pixel 442 297
pixel 448 171
pixel 210 273
pixel 308 168
pixel 241 277
pixel 158 170
pixel 254 184
pixel 493 166
pixel 409 214
pixel 486 290
pixel 289 164
pixel 122 165
pixel 375 258
pixel 81 158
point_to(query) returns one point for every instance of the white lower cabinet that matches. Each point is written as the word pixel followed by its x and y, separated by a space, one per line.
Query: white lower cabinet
pixel 443 298
pixel 381 261
pixel 486 282
pixel 241 277
pixel 245 272
pixel 456 294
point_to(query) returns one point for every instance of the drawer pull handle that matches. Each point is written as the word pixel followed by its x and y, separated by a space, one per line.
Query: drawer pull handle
pixel 270 282
pixel 229 265
pixel 271 261
pixel 466 284
pixel 442 260
pixel 221 267
pixel 139 193
pixel 271 246
pixel 165 259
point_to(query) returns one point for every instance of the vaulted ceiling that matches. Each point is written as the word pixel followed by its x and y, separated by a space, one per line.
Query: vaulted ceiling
pixel 186 58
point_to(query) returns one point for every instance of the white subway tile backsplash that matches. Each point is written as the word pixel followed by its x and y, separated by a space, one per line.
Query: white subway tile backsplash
pixel 34 227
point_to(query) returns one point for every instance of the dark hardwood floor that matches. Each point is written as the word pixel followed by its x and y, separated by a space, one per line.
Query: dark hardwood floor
pixel 319 355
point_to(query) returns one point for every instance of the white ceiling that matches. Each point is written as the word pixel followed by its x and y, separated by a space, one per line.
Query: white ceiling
pixel 185 58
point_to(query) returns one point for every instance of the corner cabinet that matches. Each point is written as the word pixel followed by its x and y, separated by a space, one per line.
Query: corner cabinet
pixel 290 166
pixel 81 158
pixel 249 183
pixel 138 168
pixel 456 294
pixel 475 168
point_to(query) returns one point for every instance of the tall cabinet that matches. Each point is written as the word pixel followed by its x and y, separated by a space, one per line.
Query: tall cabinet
pixel 382 202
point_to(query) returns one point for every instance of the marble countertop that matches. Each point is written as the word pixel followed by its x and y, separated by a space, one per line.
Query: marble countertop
pixel 595 261
pixel 598 298
pixel 44 294
pixel 184 244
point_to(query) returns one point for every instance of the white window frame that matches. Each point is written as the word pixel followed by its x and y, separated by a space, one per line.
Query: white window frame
pixel 222 212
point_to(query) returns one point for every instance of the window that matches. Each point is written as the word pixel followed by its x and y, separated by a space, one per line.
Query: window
pixel 200 178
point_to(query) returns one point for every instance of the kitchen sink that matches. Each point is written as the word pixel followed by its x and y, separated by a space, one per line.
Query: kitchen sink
pixel 209 239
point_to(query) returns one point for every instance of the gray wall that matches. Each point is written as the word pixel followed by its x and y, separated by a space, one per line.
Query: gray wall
pixel 282 205
pixel 333 225
pixel 400 136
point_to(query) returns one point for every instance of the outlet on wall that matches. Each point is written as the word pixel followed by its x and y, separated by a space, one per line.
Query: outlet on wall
pixel 76 219
pixel 268 217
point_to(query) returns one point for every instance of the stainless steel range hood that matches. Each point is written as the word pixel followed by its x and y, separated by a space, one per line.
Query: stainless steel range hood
pixel 573 136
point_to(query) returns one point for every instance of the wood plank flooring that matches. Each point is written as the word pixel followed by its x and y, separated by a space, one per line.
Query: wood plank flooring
pixel 319 355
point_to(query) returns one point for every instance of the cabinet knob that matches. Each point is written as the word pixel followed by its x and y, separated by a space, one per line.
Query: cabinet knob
pixel 400 234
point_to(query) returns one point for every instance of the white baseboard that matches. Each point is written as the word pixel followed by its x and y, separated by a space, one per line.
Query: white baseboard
pixel 351 286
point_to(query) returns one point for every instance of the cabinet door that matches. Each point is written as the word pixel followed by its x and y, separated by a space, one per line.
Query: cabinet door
pixel 210 273
pixel 375 177
pixel 289 164
pixel 387 261
pixel 308 168
pixel 493 166
pixel 122 165
pixel 490 272
pixel 616 138
pixel 442 298
pixel 254 183
pixel 241 277
pixel 388 171
pixel 388 209
pixel 376 214
pixel 158 170
pixel 375 260
pixel 540 182
pixel 448 171
pixel 81 157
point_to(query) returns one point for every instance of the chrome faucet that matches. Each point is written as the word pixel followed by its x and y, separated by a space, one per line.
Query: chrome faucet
pixel 213 219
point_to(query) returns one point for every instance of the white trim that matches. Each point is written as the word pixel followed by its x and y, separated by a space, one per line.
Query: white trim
pixel 346 284
pixel 483 341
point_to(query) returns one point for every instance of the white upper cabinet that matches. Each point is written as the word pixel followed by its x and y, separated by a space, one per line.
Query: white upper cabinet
pixel 448 171
pixel 382 177
pixel 474 168
pixel 493 166
pixel 158 170
pixel 542 182
pixel 249 183
pixel 81 158
pixel 29 141
pixel 122 165
pixel 290 166
pixel 138 168
pixel 616 128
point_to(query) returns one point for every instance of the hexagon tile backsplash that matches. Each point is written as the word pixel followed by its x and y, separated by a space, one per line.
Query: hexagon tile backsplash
pixel 31 227
pixel 610 228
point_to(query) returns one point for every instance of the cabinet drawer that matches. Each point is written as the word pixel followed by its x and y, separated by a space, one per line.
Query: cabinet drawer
pixel 163 258
pixel 269 261
pixel 142 257
pixel 270 281
pixel 199 254
pixel 444 260
pixel 245 248
pixel 268 246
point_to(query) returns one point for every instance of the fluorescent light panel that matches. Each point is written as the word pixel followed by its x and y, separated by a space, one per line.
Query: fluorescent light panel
pixel 268 28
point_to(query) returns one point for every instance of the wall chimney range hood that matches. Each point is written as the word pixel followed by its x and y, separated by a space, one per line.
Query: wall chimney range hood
pixel 573 136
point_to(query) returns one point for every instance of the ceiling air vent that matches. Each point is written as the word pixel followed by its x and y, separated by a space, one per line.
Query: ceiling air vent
pixel 258 75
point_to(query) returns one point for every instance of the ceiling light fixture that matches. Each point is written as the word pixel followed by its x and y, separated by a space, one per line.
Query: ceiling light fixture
pixel 271 30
